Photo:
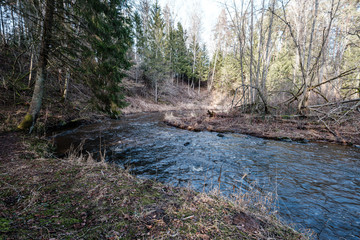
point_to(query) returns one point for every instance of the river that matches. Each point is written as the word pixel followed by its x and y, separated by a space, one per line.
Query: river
pixel 316 185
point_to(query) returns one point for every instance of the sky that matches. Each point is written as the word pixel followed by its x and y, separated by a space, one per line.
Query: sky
pixel 209 11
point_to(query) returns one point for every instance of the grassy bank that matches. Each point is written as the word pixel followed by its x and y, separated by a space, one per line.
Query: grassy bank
pixel 79 198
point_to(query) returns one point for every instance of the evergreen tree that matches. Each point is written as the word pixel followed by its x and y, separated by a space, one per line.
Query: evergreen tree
pixel 155 67
pixel 108 30
pixel 202 68
pixel 140 43
pixel 182 61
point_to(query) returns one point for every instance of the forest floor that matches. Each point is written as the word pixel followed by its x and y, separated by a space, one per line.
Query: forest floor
pixel 43 197
pixel 285 128
pixel 174 97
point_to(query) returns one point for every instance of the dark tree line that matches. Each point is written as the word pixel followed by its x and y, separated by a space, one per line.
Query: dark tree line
pixel 86 40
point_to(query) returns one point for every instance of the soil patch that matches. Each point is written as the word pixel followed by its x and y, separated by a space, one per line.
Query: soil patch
pixel 10 146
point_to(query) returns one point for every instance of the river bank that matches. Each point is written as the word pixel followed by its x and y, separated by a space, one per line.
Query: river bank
pixel 43 197
pixel 285 128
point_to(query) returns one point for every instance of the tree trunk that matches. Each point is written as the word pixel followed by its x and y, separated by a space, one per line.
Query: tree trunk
pixel 359 85
pixel 19 22
pixel 304 98
pixel 188 86
pixel 213 72
pixel 35 105
pixel 199 85
pixel 156 91
pixel 2 26
pixel 260 46
pixel 252 93
pixel 13 24
pixel 241 46
pixel 263 88
pixel 136 73
pixel 66 84
pixel 4 82
pixel 31 66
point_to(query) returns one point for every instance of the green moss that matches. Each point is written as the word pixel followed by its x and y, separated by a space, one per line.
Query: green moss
pixel 42 147
pixel 147 201
pixel 285 117
pixel 68 222
pixel 26 122
pixel 5 225
pixel 48 212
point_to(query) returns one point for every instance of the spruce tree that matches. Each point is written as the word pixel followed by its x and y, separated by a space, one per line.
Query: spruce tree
pixel 108 31
pixel 182 57
pixel 155 67
pixel 202 68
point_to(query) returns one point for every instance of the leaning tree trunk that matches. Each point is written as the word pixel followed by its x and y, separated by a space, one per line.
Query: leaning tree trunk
pixel 213 72
pixel 35 105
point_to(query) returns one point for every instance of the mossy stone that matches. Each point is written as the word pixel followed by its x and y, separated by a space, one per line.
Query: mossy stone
pixel 26 122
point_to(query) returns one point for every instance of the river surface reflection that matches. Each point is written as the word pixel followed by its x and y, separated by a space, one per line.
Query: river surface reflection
pixel 318 185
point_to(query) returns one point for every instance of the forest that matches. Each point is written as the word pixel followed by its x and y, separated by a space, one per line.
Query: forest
pixel 276 56
pixel 269 57
pixel 280 70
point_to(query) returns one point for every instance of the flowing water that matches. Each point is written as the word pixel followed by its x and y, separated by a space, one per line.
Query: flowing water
pixel 317 185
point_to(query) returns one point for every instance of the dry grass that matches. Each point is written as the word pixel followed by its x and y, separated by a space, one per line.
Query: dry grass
pixel 79 198
pixel 169 116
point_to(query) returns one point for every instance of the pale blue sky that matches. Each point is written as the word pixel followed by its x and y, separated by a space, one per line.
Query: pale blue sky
pixel 209 11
